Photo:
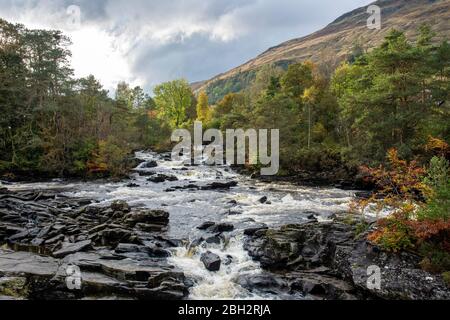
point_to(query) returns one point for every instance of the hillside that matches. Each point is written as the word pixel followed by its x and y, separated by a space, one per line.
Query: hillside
pixel 334 43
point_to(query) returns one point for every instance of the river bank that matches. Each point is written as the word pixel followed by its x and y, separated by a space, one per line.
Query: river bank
pixel 173 231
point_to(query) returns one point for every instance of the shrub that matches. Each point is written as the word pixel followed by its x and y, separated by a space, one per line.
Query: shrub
pixel 395 232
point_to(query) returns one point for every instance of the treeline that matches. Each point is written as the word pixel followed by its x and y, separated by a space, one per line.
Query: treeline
pixel 55 125
pixel 395 96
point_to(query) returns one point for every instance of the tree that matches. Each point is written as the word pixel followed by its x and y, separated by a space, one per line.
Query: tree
pixel 297 78
pixel 386 97
pixel 173 99
pixel 203 111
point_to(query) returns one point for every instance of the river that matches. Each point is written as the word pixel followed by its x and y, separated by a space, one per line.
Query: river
pixel 286 203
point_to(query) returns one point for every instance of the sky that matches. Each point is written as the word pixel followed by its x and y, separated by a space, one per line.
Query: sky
pixel 146 42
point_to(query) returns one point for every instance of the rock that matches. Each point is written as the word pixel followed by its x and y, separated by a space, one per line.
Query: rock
pixel 323 286
pixel 262 282
pixel 132 185
pixel 121 206
pixel 222 227
pixel 263 200
pixel 13 286
pixel 228 260
pixel 150 164
pixel 55 239
pixel 129 247
pixel 220 185
pixel 146 173
pixel 112 237
pixel 211 261
pixel 206 225
pixel 251 231
pixel 72 248
pixel 156 251
pixel 363 194
pixel 325 260
pixel 159 217
pixel 159 178
pixel 213 239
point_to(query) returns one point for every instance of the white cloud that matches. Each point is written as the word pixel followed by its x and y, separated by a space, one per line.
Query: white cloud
pixel 145 42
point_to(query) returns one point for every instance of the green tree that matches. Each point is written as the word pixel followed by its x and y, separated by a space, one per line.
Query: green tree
pixel 173 99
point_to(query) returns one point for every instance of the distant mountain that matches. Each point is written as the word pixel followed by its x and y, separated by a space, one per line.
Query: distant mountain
pixel 334 43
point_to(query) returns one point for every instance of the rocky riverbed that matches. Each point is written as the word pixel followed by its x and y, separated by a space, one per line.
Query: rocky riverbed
pixel 174 231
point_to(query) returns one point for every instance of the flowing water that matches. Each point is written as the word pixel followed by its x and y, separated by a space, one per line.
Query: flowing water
pixel 190 208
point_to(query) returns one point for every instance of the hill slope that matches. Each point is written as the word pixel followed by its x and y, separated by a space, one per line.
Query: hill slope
pixel 334 43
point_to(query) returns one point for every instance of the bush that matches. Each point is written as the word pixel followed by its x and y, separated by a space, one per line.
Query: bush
pixel 395 232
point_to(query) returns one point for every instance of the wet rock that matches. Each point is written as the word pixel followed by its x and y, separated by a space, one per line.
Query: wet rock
pixel 121 206
pixel 206 225
pixel 146 173
pixel 150 164
pixel 160 178
pixel 222 227
pixel 220 186
pixel 132 185
pixel 157 217
pixel 213 240
pixel 211 261
pixel 72 248
pixel 263 200
pixel 228 260
pixel 251 231
pixel 156 251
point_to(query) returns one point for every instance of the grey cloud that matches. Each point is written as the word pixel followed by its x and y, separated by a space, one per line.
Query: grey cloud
pixel 201 38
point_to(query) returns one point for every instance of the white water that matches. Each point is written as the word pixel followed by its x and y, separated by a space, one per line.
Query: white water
pixel 190 208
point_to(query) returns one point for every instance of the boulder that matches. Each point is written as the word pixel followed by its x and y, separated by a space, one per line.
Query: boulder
pixel 263 200
pixel 220 185
pixel 222 227
pixel 160 178
pixel 206 225
pixel 211 261
pixel 150 164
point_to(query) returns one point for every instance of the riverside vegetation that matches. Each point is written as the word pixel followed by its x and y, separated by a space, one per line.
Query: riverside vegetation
pixel 338 128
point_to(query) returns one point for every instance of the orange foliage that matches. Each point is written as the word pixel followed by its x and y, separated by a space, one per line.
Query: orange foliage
pixel 437 146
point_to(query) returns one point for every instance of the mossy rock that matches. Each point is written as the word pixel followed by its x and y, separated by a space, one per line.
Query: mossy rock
pixel 13 287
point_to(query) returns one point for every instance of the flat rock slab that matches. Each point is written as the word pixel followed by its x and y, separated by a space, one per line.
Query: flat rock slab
pixel 17 263
pixel 72 248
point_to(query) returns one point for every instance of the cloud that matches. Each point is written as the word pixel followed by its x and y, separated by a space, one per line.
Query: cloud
pixel 146 42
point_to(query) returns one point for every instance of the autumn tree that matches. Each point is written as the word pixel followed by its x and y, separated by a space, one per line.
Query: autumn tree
pixel 173 99
pixel 203 111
